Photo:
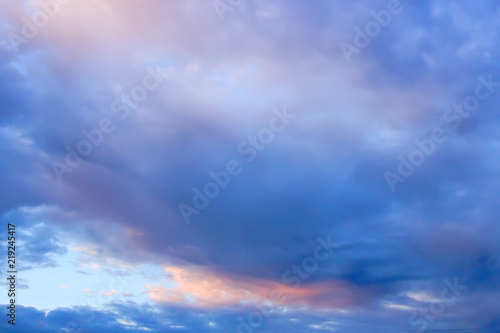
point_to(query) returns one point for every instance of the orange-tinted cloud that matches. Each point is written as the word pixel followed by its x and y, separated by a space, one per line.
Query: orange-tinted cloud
pixel 104 293
pixel 200 288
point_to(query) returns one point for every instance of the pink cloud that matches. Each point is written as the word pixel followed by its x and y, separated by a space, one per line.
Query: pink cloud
pixel 104 293
pixel 200 288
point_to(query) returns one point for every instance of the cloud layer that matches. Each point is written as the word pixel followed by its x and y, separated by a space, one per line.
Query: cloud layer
pixel 182 90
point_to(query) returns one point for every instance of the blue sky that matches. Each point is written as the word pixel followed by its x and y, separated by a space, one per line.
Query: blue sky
pixel 251 166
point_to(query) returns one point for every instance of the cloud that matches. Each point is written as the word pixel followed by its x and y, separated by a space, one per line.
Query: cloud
pixel 198 288
pixel 110 293
pixel 322 176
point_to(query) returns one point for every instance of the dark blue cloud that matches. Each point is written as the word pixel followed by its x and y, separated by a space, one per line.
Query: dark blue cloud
pixel 322 176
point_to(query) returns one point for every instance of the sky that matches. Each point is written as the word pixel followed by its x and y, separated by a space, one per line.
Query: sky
pixel 251 165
